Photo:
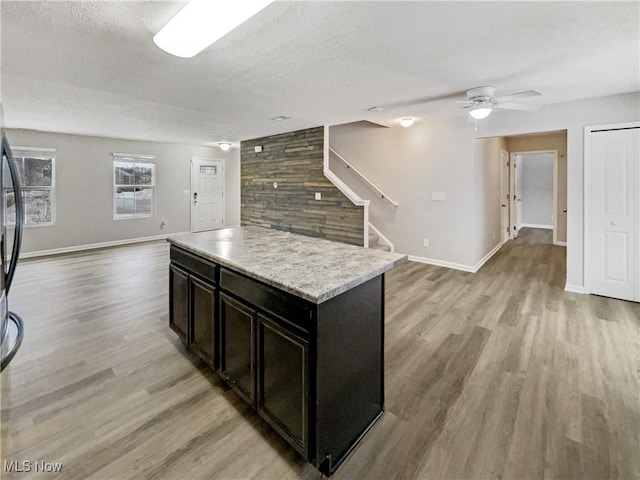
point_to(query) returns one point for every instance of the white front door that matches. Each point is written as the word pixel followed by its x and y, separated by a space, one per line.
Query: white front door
pixel 207 194
pixel 612 212
pixel 504 194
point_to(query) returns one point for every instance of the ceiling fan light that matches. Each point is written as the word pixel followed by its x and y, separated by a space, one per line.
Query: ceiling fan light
pixel 224 146
pixel 406 122
pixel 202 22
pixel 480 113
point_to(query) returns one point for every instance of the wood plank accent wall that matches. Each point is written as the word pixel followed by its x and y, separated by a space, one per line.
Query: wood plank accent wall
pixel 295 161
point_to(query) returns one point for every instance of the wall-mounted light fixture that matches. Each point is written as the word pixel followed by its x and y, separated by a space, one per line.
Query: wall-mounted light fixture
pixel 202 22
pixel 406 122
pixel 224 146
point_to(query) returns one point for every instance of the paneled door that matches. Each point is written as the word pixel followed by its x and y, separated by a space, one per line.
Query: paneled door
pixel 207 194
pixel 612 211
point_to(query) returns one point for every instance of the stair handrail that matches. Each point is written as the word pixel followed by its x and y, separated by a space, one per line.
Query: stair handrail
pixel 340 185
pixel 364 179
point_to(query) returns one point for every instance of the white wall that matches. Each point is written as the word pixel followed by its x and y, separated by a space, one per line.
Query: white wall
pixel 486 219
pixel 84 189
pixel 537 189
pixel 438 156
pixel 409 164
pixel 573 117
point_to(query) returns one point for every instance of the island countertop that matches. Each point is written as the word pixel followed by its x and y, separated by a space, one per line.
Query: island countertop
pixel 311 268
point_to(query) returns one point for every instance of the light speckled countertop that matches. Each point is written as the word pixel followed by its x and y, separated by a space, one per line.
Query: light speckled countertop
pixel 311 268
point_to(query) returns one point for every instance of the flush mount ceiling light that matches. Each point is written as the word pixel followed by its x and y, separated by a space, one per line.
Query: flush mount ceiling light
pixel 224 146
pixel 280 118
pixel 375 109
pixel 406 122
pixel 480 112
pixel 202 22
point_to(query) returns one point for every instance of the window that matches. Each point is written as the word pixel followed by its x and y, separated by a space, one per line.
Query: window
pixel 133 186
pixel 36 169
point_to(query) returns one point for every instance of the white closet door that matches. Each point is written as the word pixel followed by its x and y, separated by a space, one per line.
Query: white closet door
pixel 612 212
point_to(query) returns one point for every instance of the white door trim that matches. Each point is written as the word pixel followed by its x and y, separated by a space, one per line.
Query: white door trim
pixel 555 187
pixel 503 200
pixel 206 159
pixel 588 287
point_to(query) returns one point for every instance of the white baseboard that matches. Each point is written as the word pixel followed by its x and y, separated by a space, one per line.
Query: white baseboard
pixel 562 244
pixel 574 288
pixel 93 246
pixel 457 266
pixel 535 225
pixel 486 258
pixel 441 263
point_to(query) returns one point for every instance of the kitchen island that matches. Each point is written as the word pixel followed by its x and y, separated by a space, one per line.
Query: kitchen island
pixel 294 324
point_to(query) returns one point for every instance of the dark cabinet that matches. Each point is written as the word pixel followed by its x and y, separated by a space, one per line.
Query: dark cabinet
pixel 202 306
pixel 283 381
pixel 314 372
pixel 237 351
pixel 192 303
pixel 179 302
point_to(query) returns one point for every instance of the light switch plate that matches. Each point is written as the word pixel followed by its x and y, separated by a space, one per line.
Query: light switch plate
pixel 439 196
pixel 186 192
pixel 318 196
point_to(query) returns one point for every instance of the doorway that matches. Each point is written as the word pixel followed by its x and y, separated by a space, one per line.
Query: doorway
pixel 207 194
pixel 504 195
pixel 534 199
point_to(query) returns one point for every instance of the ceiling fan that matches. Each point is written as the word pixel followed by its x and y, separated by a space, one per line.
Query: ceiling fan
pixel 481 101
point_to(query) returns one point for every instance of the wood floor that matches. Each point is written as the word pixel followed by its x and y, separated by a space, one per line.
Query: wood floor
pixel 494 375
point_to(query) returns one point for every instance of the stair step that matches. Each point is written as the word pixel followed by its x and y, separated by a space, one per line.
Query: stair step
pixel 380 246
pixel 373 240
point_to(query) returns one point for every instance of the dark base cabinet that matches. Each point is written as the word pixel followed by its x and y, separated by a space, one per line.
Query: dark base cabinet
pixel 192 303
pixel 314 372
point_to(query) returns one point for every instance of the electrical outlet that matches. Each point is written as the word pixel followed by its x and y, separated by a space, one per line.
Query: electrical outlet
pixel 318 196
pixel 425 242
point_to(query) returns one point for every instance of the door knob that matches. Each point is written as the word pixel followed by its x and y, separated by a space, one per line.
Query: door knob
pixel 564 210
pixel 503 205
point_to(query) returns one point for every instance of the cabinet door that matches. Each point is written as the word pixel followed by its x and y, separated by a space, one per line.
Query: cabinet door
pixel 203 302
pixel 179 302
pixel 237 354
pixel 283 381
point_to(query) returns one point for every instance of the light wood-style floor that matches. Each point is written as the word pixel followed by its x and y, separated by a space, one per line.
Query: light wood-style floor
pixel 494 375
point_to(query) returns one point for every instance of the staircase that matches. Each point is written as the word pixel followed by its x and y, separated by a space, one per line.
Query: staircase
pixel 374 243
pixel 373 238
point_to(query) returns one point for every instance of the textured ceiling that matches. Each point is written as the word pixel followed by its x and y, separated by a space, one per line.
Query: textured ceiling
pixel 91 67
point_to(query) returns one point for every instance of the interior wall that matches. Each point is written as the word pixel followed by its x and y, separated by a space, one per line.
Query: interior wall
pixel 572 117
pixel 295 162
pixel 84 189
pixel 411 165
pixel 537 189
pixel 486 203
pixel 436 156
pixel 548 141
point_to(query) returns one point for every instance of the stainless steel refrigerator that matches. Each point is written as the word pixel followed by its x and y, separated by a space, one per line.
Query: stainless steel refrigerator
pixel 11 222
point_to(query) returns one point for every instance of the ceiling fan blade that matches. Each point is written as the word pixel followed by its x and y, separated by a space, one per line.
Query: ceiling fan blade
pixel 518 106
pixel 420 101
pixel 515 96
